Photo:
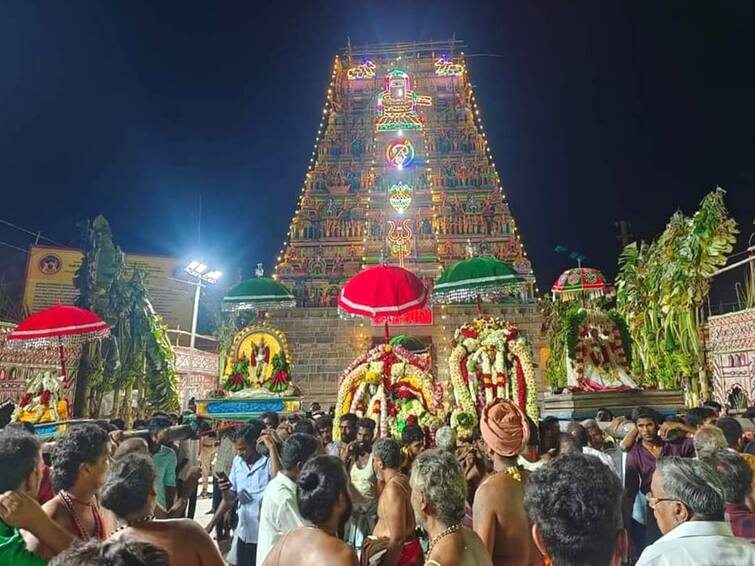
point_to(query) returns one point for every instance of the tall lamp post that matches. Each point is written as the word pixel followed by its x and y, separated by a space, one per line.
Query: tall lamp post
pixel 198 271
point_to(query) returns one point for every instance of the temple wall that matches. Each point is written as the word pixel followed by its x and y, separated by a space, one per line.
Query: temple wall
pixel 731 356
pixel 322 344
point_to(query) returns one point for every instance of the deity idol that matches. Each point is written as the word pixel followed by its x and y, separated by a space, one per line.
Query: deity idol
pixel 599 362
pixel 259 358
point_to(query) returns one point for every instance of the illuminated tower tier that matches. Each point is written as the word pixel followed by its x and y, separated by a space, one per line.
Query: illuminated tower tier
pixel 401 173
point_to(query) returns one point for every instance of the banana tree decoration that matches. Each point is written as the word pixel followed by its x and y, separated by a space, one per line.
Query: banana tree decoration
pixel 147 359
pixel 138 356
pixel 662 287
pixel 101 267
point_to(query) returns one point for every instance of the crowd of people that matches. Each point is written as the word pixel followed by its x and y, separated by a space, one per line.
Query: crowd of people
pixel 288 491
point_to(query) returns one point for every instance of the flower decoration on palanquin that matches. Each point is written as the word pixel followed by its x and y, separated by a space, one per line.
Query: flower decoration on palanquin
pixel 490 359
pixel 389 384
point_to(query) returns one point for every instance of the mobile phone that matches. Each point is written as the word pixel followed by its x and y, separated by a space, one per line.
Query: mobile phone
pixel 222 476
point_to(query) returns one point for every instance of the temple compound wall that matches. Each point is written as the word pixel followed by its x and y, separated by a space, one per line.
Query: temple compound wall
pixel 323 344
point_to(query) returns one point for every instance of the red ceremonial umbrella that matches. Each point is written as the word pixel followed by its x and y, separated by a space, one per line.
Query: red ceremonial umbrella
pixel 61 326
pixel 382 290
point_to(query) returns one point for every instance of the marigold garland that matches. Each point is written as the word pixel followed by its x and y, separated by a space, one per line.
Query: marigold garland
pixel 397 384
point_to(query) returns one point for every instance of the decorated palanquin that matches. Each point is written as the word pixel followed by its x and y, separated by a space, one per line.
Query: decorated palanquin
pixel 490 359
pixel 256 378
pixel 596 359
pixel 44 400
pixel 393 387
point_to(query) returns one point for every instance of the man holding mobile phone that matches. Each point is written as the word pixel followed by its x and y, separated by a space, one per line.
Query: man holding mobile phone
pixel 221 465
pixel 249 476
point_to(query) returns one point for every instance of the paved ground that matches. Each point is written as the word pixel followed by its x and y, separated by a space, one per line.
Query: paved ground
pixel 203 516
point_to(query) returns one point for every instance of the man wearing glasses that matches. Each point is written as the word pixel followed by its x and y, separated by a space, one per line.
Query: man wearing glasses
pixel 687 498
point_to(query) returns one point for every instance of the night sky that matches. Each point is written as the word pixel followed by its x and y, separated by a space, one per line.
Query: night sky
pixel 595 111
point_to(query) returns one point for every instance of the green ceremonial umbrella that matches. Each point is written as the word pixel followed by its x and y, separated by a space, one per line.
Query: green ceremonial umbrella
pixel 259 294
pixel 482 277
pixel 411 343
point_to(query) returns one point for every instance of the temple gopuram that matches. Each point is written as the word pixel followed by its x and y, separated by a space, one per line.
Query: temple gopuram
pixel 401 173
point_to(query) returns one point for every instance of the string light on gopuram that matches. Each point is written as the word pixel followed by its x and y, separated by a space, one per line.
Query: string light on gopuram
pixel 446 68
pixel 364 71
pixel 282 254
pixel 397 104
pixel 399 238
pixel 399 153
pixel 400 196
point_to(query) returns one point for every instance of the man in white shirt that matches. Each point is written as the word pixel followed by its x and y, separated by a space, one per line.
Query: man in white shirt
pixel 280 512
pixel 580 433
pixel 687 498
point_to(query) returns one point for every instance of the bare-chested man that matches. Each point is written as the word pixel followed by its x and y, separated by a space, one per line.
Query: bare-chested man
pixel 80 461
pixel 413 440
pixel 396 521
pixel 323 500
pixel 498 510
pixel 20 476
pixel 129 492
pixel 138 445
pixel 438 497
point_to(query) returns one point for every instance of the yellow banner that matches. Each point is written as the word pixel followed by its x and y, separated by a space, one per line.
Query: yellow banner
pixel 50 272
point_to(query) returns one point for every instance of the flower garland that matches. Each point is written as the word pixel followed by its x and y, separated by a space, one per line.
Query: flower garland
pixel 280 378
pixel 464 417
pixel 397 387
pixel 521 349
pixel 346 393
pixel 569 326
pixel 490 359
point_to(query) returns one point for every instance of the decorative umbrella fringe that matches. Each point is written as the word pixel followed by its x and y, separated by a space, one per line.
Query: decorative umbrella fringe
pixel 68 341
pixel 581 293
pixel 261 305
pixel 468 295
pixel 492 281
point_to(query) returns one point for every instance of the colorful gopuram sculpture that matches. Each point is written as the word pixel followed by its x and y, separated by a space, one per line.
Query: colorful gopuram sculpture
pixel 401 172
